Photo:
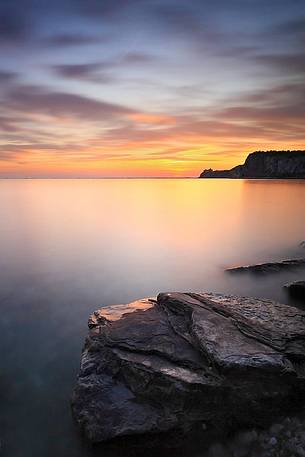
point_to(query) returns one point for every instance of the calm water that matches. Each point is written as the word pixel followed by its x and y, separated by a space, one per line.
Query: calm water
pixel 68 247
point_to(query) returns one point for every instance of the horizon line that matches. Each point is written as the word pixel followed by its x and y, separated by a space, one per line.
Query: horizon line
pixel 99 177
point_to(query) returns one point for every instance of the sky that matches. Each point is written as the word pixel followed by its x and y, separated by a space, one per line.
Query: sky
pixel 132 88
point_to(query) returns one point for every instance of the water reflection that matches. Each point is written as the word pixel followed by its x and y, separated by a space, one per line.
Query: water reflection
pixel 69 246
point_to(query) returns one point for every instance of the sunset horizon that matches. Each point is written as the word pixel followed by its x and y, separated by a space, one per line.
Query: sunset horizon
pixel 147 89
pixel 152 229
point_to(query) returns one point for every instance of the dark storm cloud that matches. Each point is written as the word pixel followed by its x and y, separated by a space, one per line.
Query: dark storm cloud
pixel 38 100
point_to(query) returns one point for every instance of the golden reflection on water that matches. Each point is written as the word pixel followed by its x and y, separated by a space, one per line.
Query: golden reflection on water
pixel 69 246
pixel 176 232
pixel 146 213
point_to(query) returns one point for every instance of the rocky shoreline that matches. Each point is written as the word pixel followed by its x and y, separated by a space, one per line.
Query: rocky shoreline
pixel 183 362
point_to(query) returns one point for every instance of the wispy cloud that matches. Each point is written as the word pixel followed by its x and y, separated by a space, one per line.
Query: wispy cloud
pixel 73 39
pixel 131 86
pixel 7 77
pixel 286 63
pixel 39 100
pixel 91 72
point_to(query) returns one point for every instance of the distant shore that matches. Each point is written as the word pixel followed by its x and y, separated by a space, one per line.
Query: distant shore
pixel 265 165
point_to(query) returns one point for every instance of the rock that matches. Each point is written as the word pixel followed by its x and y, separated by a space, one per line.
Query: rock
pixel 300 451
pixel 184 360
pixel 115 312
pixel 269 267
pixel 273 441
pixel 265 164
pixel 218 450
pixel 242 443
pixel 302 244
pixel 276 428
pixel 235 172
pixel 210 173
pixel 296 289
pixel 278 441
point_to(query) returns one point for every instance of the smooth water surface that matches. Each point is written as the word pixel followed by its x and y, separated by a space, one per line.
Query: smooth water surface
pixel 68 247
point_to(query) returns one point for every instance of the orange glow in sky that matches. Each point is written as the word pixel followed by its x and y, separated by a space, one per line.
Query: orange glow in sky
pixel 150 88
pixel 174 154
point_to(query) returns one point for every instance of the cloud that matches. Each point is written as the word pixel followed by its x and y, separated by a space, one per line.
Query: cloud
pixel 201 75
pixel 7 77
pixel 190 22
pixel 278 110
pixel 151 118
pixel 134 58
pixel 98 72
pixel 14 25
pixel 105 8
pixel 85 72
pixel 285 113
pixel 287 63
pixel 8 124
pixel 276 95
pixel 73 39
pixel 291 27
pixel 57 104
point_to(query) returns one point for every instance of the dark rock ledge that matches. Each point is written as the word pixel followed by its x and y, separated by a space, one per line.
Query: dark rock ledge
pixel 269 267
pixel 187 360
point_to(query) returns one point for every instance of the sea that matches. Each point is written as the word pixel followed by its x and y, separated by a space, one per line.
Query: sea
pixel 69 247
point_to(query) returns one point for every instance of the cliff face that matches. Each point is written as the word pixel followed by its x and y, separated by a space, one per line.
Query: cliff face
pixel 270 164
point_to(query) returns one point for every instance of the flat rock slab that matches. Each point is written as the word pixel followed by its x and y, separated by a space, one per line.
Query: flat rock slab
pixel 185 360
pixel 115 312
pixel 269 267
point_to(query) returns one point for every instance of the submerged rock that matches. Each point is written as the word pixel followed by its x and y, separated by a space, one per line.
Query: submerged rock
pixel 189 360
pixel 296 289
pixel 269 267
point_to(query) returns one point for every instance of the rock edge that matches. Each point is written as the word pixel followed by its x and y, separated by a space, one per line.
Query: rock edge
pixel 187 360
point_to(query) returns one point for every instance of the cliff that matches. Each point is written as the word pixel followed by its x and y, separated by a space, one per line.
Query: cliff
pixel 269 164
